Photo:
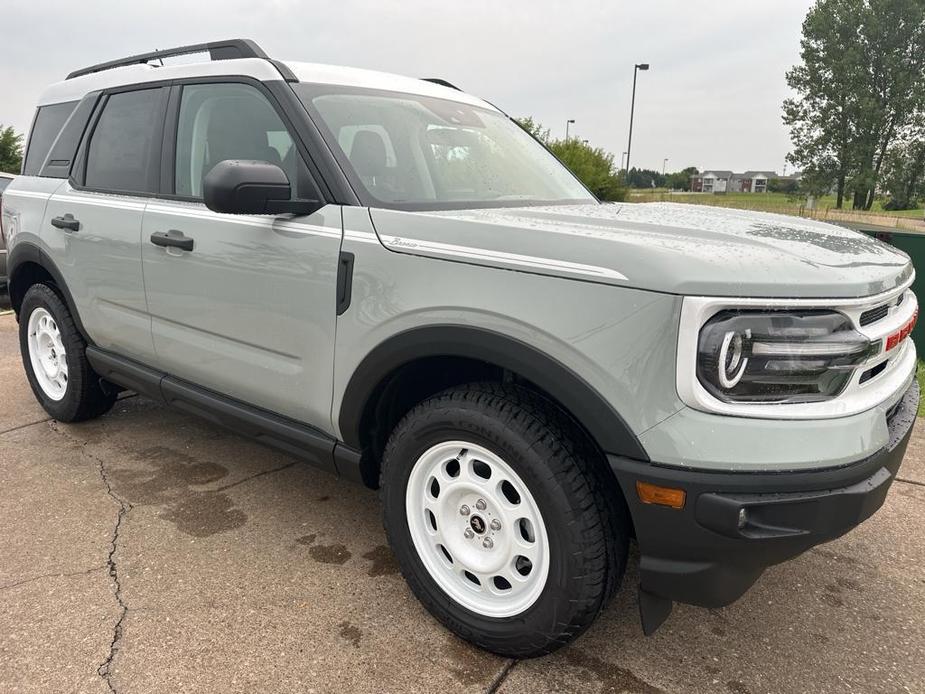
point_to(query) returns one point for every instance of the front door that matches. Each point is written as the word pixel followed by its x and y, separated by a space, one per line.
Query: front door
pixel 248 308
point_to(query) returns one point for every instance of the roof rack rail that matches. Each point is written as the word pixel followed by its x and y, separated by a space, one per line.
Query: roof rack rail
pixel 217 50
pixel 441 82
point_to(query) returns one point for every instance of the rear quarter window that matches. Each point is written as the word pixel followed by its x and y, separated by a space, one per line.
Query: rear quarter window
pixel 48 123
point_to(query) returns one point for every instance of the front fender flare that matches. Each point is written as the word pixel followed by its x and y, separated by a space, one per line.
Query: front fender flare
pixel 589 408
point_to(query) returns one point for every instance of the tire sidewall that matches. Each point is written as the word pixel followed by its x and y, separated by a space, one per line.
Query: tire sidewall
pixel 556 601
pixel 42 296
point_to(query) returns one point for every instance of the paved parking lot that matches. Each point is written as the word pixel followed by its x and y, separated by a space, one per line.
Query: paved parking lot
pixel 147 551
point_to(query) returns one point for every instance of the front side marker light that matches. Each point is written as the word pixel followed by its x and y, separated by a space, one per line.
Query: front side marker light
pixel 660 496
pixel 902 333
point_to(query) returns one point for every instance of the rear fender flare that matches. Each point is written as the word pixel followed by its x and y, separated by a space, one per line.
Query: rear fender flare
pixel 20 257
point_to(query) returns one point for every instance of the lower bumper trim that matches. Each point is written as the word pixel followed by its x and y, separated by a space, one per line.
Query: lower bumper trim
pixel 734 525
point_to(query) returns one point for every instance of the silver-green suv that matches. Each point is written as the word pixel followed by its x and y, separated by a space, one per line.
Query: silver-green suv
pixel 390 279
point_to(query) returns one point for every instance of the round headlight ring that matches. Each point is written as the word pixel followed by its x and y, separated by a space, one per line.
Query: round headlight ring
pixel 731 360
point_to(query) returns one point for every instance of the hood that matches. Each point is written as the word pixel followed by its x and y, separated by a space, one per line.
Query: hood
pixel 665 247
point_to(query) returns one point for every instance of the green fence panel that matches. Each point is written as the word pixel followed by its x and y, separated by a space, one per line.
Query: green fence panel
pixel 913 243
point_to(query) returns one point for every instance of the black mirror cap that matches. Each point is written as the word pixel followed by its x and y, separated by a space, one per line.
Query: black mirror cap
pixel 238 186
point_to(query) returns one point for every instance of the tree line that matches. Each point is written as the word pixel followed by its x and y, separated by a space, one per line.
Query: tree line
pixel 857 121
pixel 594 166
pixel 10 150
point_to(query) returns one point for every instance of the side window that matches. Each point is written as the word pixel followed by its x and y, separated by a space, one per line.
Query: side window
pixel 125 145
pixel 48 123
pixel 232 121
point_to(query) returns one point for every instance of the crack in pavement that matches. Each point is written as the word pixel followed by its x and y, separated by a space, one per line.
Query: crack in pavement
pixel 50 419
pixel 501 677
pixel 25 426
pixel 105 668
pixel 908 481
pixel 7 586
pixel 255 475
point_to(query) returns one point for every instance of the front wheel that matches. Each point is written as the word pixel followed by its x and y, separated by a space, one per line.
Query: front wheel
pixel 53 354
pixel 502 519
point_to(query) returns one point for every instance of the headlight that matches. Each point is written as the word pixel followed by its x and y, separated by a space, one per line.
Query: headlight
pixel 778 356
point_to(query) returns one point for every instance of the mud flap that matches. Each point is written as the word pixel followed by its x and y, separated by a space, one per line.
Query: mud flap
pixel 653 611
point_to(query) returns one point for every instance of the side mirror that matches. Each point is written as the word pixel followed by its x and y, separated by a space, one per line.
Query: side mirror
pixel 237 186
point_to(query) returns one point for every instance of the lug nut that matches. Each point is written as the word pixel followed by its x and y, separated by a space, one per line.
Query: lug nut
pixel 464 510
pixel 468 533
pixel 496 524
pixel 480 504
pixel 488 543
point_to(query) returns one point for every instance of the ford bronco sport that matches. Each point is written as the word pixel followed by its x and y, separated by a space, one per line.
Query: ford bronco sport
pixel 389 278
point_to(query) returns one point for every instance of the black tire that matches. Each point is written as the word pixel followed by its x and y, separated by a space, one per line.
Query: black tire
pixel 84 398
pixel 586 517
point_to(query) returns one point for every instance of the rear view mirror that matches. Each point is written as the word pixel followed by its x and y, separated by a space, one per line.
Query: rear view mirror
pixel 237 186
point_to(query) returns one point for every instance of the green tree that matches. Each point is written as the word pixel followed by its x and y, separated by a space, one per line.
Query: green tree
pixel 783 185
pixel 10 150
pixel 645 178
pixel 859 87
pixel 681 180
pixel 892 43
pixel 592 165
pixel 821 117
pixel 534 128
pixel 904 175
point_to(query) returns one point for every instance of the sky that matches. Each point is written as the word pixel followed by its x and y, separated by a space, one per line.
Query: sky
pixel 711 99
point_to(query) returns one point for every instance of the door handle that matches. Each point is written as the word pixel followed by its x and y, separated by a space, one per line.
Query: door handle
pixel 172 239
pixel 67 222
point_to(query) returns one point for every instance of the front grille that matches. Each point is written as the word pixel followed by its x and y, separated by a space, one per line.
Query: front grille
pixel 875 371
pixel 874 314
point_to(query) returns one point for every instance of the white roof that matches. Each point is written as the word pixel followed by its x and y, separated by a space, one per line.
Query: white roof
pixel 373 79
pixel 75 89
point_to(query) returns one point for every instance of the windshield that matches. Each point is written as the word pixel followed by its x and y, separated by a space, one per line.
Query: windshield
pixel 406 151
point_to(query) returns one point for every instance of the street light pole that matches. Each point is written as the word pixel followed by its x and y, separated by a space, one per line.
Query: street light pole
pixel 570 121
pixel 629 144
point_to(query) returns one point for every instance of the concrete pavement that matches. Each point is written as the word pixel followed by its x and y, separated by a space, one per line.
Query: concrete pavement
pixel 150 552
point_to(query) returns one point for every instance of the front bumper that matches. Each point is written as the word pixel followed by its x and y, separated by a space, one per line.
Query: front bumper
pixel 703 555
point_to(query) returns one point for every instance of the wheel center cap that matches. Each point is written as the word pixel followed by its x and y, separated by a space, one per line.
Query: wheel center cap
pixel 477 524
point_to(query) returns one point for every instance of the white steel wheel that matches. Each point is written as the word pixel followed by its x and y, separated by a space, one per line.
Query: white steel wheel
pixel 47 353
pixel 477 529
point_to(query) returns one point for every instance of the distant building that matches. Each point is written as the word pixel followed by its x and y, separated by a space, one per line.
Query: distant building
pixel 713 181
pixel 723 181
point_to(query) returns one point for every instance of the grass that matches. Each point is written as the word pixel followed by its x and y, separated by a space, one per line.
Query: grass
pixel 785 204
pixel 920 375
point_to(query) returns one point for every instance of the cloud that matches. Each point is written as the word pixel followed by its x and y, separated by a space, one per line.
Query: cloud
pixel 712 97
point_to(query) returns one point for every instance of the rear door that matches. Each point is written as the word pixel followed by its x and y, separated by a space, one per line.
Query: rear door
pixel 93 221
pixel 249 310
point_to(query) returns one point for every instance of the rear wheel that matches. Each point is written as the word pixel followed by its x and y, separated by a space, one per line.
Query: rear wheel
pixel 502 519
pixel 53 354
